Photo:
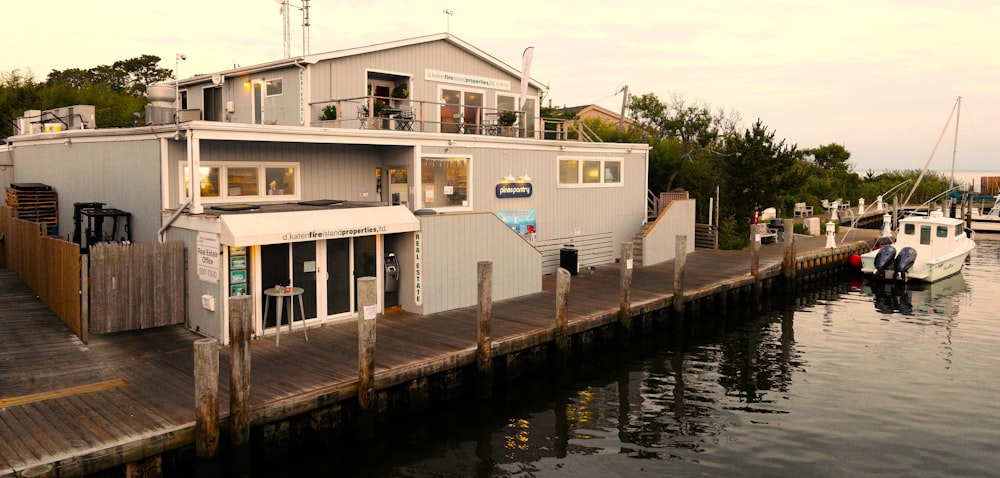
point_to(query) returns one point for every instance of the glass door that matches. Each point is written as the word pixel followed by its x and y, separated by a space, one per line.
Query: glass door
pixel 339 280
pixel 274 265
pixel 304 276
pixel 399 186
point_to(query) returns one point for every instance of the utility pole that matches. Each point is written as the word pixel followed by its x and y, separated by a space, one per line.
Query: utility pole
pixel 621 119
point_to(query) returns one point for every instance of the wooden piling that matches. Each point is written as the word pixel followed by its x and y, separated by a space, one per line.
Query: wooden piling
pixel 240 329
pixel 562 318
pixel 206 398
pixel 680 263
pixel 755 264
pixel 367 292
pixel 484 316
pixel 789 259
pixel 625 294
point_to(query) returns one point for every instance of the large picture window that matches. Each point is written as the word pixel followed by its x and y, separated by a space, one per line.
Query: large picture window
pixel 590 172
pixel 444 182
pixel 222 182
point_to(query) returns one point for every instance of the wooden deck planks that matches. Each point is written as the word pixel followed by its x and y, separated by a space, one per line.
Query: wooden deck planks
pixel 154 406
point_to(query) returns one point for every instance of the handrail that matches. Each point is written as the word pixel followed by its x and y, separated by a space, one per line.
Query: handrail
pixel 475 119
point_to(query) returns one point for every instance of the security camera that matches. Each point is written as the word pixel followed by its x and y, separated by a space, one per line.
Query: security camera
pixel 182 56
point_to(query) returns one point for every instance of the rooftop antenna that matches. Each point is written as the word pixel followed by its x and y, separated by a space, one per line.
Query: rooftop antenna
pixel 177 86
pixel 448 19
pixel 288 29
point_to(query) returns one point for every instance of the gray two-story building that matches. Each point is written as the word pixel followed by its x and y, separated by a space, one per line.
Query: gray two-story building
pixel 408 161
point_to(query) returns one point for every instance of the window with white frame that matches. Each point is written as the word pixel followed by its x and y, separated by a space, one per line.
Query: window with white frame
pixel 244 181
pixel 590 172
pixel 272 87
pixel 444 182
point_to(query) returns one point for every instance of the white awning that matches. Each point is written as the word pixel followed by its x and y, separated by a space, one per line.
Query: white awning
pixel 256 229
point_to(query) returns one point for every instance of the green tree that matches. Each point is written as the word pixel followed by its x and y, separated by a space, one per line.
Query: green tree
pixel 759 171
pixel 123 76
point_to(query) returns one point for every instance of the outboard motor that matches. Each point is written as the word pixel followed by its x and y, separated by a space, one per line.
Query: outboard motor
pixel 904 261
pixel 884 258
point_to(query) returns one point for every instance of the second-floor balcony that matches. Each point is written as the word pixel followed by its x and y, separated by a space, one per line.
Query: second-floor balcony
pixel 411 115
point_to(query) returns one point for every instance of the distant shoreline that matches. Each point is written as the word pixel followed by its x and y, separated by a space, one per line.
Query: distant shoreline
pixel 961 176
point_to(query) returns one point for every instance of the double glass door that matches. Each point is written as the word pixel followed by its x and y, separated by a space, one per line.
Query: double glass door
pixel 327 271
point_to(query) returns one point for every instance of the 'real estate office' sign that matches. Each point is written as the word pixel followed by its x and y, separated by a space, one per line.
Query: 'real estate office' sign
pixel 514 190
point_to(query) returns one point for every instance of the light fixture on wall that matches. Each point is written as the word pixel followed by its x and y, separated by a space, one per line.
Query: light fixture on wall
pixel 524 176
pixel 509 178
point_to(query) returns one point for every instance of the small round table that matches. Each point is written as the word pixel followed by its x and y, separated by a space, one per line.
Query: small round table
pixel 282 294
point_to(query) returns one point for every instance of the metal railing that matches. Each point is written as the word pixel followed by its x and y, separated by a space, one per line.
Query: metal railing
pixel 379 112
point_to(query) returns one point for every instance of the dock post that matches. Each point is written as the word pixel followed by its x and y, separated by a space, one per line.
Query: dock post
pixel 206 398
pixel 789 263
pixel 484 316
pixel 85 298
pixel 755 264
pixel 625 295
pixel 367 292
pixel 240 328
pixel 562 316
pixel 680 263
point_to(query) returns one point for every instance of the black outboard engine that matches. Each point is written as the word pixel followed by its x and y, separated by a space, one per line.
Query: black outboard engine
pixel 884 258
pixel 904 261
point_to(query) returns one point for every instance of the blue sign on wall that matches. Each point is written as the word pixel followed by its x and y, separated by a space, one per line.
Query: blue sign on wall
pixel 522 221
pixel 513 190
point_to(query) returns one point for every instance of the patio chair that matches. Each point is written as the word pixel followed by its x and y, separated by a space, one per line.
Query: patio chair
pixel 404 120
pixel 363 117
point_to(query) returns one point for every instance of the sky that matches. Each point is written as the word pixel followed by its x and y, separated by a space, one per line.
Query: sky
pixel 880 77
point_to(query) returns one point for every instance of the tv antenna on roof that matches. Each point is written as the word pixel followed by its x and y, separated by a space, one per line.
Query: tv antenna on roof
pixel 448 19
pixel 287 27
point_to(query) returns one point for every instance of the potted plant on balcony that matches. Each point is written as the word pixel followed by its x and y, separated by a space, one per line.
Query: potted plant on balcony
pixel 506 120
pixel 400 91
pixel 329 113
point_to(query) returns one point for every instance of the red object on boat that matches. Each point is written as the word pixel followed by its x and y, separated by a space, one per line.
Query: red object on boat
pixel 855 261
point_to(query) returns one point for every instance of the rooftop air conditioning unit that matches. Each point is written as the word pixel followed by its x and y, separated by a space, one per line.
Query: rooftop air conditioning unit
pixel 159 115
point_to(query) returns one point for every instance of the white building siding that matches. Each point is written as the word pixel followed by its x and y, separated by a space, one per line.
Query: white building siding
pixel 454 244
pixel 122 174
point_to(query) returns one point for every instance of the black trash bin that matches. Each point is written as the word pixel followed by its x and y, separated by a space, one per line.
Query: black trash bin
pixel 568 257
pixel 778 227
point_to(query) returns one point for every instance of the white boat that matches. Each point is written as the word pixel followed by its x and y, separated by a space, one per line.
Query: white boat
pixel 988 221
pixel 930 248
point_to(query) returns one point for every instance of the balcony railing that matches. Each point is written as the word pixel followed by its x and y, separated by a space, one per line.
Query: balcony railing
pixel 409 115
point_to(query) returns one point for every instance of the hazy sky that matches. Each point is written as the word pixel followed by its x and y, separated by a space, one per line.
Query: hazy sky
pixel 878 76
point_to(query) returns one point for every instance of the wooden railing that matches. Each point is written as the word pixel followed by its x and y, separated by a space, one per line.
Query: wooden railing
pixel 49 266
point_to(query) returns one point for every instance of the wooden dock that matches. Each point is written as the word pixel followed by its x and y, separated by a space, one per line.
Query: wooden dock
pixel 76 408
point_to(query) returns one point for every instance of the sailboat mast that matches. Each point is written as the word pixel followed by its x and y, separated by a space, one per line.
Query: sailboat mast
pixel 954 151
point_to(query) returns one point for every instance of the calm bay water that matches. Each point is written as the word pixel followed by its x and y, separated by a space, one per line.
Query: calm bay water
pixel 852 379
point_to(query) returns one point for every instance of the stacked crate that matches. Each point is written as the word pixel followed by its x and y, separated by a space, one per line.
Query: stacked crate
pixel 36 203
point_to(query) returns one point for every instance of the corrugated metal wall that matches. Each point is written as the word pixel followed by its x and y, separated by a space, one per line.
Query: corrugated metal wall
pixel 346 77
pixel 562 213
pixel 453 245
pixel 123 174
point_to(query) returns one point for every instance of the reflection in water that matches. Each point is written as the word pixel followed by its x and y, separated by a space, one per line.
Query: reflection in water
pixel 941 297
pixel 822 385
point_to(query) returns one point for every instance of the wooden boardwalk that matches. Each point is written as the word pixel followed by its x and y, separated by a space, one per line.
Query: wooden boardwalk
pixel 81 408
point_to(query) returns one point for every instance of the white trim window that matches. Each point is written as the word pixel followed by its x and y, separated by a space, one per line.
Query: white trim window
pixel 587 172
pixel 272 87
pixel 445 183
pixel 244 181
